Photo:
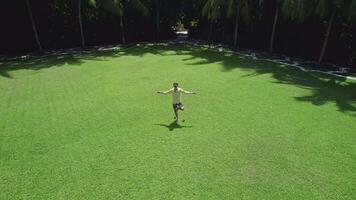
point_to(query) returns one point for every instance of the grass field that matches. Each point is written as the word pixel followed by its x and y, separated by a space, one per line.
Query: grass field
pixel 91 126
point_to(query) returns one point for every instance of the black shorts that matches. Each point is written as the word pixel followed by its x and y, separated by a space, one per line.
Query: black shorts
pixel 178 105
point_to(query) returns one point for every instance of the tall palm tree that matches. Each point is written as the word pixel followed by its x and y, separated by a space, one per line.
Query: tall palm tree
pixel 298 10
pixel 326 9
pixel 275 21
pixel 157 20
pixel 329 9
pixel 117 7
pixel 238 8
pixel 352 11
pixel 121 13
pixel 33 25
pixel 80 22
pixel 234 7
pixel 211 10
pixel 91 2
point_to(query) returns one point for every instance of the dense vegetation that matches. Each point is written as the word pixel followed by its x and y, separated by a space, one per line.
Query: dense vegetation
pixel 320 30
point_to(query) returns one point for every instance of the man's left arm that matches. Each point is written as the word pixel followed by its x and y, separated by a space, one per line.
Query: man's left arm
pixel 188 92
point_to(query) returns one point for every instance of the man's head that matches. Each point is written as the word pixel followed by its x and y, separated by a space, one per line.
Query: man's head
pixel 175 84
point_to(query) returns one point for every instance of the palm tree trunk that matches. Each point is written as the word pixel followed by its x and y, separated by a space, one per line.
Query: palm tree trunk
pixel 122 31
pixel 80 22
pixel 157 20
pixel 236 25
pixel 210 32
pixel 326 38
pixel 222 30
pixel 274 29
pixel 33 25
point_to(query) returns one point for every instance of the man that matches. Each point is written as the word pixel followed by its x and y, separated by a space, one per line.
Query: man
pixel 176 93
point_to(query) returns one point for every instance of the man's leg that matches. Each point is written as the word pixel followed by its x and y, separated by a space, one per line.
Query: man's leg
pixel 181 107
pixel 175 112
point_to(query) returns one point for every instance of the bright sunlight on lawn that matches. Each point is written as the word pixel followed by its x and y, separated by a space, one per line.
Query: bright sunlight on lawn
pixel 91 126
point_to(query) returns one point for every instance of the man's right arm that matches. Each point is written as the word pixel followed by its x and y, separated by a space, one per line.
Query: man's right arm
pixel 165 92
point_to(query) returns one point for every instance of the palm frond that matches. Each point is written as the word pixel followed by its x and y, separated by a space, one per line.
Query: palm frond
pixel 113 6
pixel 245 12
pixel 92 3
pixel 231 7
pixel 352 11
pixel 325 8
pixel 212 9
pixel 139 6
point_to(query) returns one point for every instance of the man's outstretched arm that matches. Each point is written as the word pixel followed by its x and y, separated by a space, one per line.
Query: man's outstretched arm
pixel 164 92
pixel 188 92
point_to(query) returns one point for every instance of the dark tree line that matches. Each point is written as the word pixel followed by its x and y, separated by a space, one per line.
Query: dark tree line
pixel 320 30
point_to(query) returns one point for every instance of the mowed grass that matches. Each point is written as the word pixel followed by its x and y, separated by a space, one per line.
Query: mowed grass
pixel 91 126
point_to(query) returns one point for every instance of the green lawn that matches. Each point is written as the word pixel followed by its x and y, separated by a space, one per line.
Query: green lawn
pixel 90 126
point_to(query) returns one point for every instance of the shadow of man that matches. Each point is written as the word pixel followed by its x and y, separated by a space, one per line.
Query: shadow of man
pixel 173 125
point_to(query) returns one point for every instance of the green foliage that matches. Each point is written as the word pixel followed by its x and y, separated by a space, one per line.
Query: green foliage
pixel 179 25
pixel 212 9
pixel 113 6
pixel 59 29
pixel 298 10
pixel 117 6
pixel 232 6
pixel 345 9
pixel 245 8
pixel 352 11
pixel 194 23
pixel 326 8
pixel 138 6
pixel 92 2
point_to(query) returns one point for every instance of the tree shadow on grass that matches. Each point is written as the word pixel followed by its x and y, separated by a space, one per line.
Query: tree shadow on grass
pixel 333 90
pixel 60 58
pixel 324 88
pixel 173 125
pixel 5 74
pixel 54 59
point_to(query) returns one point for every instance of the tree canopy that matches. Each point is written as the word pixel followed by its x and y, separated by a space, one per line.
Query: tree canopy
pixel 309 29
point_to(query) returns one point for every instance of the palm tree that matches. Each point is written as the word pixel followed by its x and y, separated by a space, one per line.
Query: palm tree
pixel 275 20
pixel 211 10
pixel 298 10
pixel 121 12
pixel 33 25
pixel 238 8
pixel 80 22
pixel 352 11
pixel 91 2
pixel 117 7
pixel 234 7
pixel 157 20
pixel 326 9
pixel 329 9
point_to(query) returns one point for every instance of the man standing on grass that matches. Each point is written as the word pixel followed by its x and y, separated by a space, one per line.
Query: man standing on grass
pixel 177 104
